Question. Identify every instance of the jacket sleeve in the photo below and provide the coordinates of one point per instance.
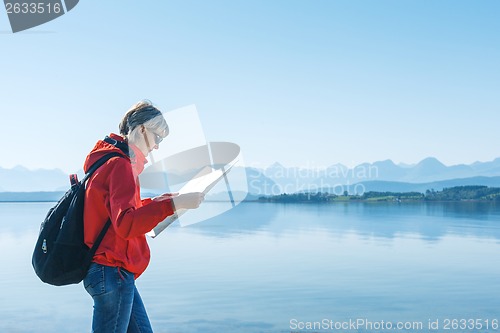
(129, 219)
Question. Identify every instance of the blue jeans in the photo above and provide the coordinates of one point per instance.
(118, 307)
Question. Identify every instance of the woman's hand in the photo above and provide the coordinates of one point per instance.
(183, 201)
(165, 196)
(188, 200)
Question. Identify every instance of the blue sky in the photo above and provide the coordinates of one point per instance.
(305, 83)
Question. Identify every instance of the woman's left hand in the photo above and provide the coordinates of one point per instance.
(165, 196)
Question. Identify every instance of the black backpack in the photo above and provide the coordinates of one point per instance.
(61, 256)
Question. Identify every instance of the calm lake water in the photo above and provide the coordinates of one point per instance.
(266, 267)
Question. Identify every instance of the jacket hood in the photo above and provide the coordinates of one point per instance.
(101, 148)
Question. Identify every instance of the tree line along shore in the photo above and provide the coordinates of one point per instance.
(457, 193)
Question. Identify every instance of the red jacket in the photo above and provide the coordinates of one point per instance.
(113, 191)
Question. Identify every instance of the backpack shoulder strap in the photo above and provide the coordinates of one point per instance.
(98, 164)
(123, 146)
(120, 145)
(98, 241)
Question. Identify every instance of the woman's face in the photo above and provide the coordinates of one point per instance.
(149, 140)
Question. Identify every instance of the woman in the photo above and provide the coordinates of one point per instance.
(113, 192)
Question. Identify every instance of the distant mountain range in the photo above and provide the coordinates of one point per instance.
(382, 175)
(429, 173)
(21, 179)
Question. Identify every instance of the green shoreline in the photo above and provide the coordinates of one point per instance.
(471, 193)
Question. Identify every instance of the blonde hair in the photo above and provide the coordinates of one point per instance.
(146, 114)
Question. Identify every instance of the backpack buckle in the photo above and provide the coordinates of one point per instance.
(73, 179)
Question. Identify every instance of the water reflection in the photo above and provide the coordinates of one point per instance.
(259, 265)
(428, 221)
(243, 219)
